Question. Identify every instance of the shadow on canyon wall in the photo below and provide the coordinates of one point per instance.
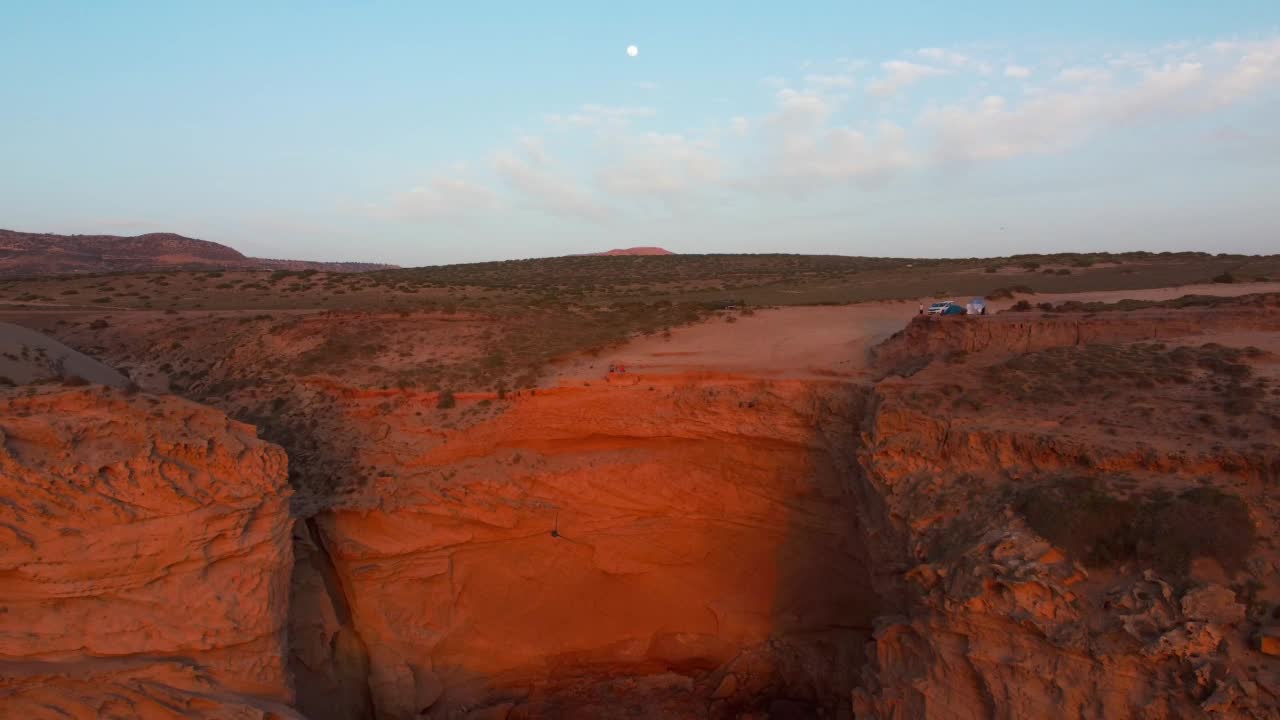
(709, 560)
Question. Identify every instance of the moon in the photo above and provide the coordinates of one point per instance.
(632, 50)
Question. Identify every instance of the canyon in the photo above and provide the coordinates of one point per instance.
(873, 516)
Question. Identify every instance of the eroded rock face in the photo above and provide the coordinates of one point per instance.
(997, 621)
(661, 549)
(1012, 333)
(144, 559)
(680, 546)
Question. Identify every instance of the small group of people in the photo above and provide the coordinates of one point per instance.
(617, 368)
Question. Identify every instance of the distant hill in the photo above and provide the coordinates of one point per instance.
(635, 251)
(28, 254)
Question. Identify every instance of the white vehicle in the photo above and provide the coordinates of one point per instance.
(940, 308)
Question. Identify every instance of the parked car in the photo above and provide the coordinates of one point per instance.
(945, 307)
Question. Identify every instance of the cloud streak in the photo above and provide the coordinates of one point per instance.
(529, 171)
(817, 135)
(901, 74)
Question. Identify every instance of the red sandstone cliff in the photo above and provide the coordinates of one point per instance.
(999, 621)
(692, 545)
(144, 557)
(703, 545)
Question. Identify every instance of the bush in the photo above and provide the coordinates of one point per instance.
(1160, 530)
(6, 381)
(73, 381)
(446, 400)
(98, 324)
(1002, 293)
(1021, 306)
(1225, 277)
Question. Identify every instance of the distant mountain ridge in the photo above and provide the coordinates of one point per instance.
(24, 253)
(649, 250)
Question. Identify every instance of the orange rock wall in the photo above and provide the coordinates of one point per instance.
(1012, 333)
(143, 542)
(597, 532)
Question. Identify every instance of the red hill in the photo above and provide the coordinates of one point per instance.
(636, 251)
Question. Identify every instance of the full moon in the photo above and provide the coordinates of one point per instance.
(632, 50)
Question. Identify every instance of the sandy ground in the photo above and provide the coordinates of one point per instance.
(26, 355)
(821, 341)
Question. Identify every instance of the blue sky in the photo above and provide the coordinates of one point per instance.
(423, 133)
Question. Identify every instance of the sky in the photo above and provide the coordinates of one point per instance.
(430, 133)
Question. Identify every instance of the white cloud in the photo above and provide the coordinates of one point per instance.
(531, 172)
(671, 167)
(592, 114)
(799, 111)
(829, 81)
(441, 197)
(957, 60)
(1259, 65)
(1085, 76)
(803, 150)
(647, 85)
(803, 162)
(811, 139)
(900, 74)
(1050, 122)
(611, 112)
